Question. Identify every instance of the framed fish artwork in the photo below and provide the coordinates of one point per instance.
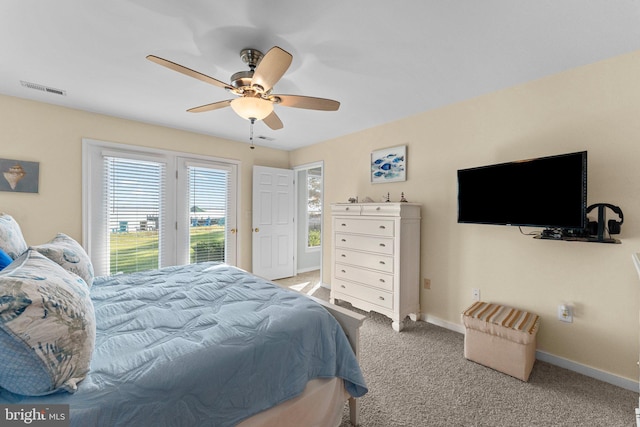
(19, 176)
(389, 165)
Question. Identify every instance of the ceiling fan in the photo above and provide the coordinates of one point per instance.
(253, 87)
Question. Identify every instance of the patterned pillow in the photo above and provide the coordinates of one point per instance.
(70, 255)
(11, 239)
(47, 327)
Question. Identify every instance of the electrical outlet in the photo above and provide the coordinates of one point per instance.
(565, 314)
(427, 283)
(475, 294)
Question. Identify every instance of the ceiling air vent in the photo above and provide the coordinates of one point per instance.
(265, 138)
(43, 88)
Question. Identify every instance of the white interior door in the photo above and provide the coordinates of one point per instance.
(273, 223)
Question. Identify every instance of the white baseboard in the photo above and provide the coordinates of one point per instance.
(456, 327)
(552, 359)
(587, 371)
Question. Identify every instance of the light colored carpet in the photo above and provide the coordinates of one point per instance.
(419, 377)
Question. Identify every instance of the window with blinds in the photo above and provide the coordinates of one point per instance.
(134, 191)
(208, 211)
(314, 207)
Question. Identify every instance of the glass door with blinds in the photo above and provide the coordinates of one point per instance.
(134, 201)
(207, 230)
(146, 208)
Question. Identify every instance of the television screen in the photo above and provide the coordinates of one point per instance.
(546, 192)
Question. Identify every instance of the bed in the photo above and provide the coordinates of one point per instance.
(208, 345)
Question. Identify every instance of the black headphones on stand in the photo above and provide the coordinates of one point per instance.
(597, 228)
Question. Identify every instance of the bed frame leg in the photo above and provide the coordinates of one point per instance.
(354, 411)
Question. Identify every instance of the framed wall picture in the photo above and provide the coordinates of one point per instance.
(19, 176)
(389, 165)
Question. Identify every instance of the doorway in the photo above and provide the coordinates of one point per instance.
(309, 213)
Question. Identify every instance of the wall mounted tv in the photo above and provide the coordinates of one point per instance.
(548, 192)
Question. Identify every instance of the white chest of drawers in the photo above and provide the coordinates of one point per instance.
(376, 258)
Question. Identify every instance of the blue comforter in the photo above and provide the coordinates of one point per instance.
(204, 344)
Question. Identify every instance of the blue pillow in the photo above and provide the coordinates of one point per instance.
(4, 259)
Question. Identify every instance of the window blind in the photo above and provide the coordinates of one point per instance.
(314, 208)
(134, 191)
(208, 213)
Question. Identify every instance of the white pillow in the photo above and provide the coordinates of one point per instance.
(69, 254)
(11, 239)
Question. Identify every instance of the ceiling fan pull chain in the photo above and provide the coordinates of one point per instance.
(251, 133)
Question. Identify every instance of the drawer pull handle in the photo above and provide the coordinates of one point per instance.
(346, 209)
(344, 225)
(378, 208)
(343, 286)
(383, 245)
(344, 240)
(343, 255)
(382, 227)
(381, 298)
(382, 262)
(344, 271)
(382, 280)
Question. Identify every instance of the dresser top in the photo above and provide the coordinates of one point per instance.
(375, 204)
(402, 209)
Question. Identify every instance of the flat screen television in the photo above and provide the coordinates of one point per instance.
(548, 192)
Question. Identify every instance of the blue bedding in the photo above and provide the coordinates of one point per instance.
(201, 345)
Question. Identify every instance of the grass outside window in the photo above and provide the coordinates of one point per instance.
(139, 250)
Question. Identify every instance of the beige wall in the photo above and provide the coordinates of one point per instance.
(594, 108)
(53, 135)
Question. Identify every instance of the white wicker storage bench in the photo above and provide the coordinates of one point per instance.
(500, 337)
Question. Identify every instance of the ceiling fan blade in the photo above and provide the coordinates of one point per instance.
(210, 107)
(187, 71)
(273, 121)
(308, 102)
(271, 68)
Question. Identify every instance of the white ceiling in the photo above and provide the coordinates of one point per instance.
(383, 60)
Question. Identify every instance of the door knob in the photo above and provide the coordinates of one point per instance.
(256, 229)
(233, 231)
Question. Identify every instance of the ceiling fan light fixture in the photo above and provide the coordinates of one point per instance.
(252, 108)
